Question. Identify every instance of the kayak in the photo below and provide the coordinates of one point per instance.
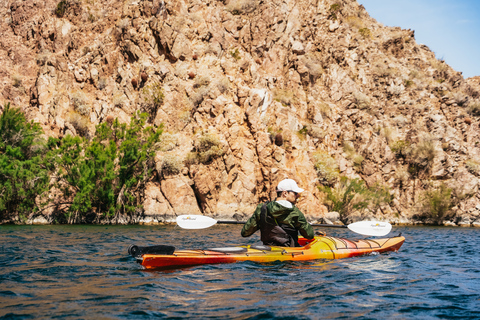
(321, 247)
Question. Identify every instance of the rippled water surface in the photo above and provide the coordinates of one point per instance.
(84, 272)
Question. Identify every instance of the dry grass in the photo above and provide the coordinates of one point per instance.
(80, 103)
(285, 97)
(171, 164)
(237, 7)
(326, 167)
(361, 100)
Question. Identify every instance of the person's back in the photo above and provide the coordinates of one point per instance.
(280, 221)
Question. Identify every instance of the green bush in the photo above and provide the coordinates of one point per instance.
(235, 54)
(103, 175)
(333, 10)
(401, 148)
(350, 195)
(61, 8)
(23, 172)
(365, 33)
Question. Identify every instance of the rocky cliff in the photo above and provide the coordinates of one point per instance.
(310, 90)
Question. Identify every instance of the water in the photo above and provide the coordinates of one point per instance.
(84, 272)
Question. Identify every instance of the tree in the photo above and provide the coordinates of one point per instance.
(23, 173)
(106, 175)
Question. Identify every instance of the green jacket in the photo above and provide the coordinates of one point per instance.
(292, 217)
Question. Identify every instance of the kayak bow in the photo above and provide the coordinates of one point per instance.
(321, 247)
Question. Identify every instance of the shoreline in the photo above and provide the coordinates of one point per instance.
(154, 222)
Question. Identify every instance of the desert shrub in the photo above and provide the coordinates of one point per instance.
(395, 90)
(381, 69)
(422, 154)
(313, 63)
(401, 148)
(352, 155)
(61, 8)
(361, 100)
(119, 99)
(207, 147)
(436, 203)
(153, 98)
(460, 98)
(80, 123)
(285, 97)
(325, 110)
(326, 167)
(474, 108)
(235, 54)
(202, 81)
(102, 83)
(191, 159)
(237, 7)
(223, 84)
(333, 11)
(416, 74)
(80, 103)
(17, 81)
(199, 95)
(354, 22)
(439, 65)
(302, 133)
(171, 164)
(365, 33)
(24, 173)
(401, 176)
(473, 166)
(168, 141)
(350, 195)
(315, 131)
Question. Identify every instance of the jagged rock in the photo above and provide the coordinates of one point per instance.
(277, 82)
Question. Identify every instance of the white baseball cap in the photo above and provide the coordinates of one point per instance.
(289, 185)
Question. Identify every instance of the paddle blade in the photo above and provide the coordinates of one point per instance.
(371, 228)
(191, 221)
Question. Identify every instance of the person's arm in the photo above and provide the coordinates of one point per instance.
(304, 227)
(251, 226)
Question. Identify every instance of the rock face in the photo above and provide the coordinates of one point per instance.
(275, 82)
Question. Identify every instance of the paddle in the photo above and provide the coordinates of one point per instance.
(366, 228)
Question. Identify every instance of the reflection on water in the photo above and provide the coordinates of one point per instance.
(79, 272)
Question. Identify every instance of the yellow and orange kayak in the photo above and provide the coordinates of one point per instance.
(321, 247)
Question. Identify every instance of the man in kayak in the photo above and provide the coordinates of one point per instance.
(280, 221)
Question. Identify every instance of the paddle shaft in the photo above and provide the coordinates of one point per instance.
(313, 225)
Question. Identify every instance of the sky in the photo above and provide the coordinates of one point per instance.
(450, 28)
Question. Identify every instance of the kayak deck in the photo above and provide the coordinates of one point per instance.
(321, 247)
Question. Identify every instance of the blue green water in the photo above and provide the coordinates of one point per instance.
(84, 272)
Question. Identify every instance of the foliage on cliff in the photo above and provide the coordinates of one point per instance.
(101, 175)
(23, 174)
